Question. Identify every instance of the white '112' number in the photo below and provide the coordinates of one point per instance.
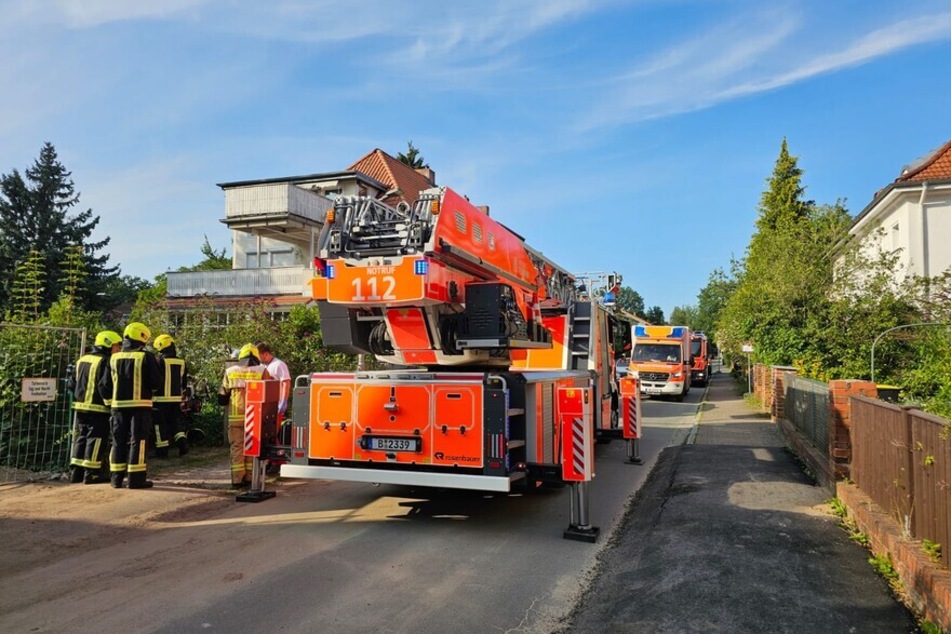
(388, 280)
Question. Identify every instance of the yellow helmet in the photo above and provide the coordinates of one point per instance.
(163, 341)
(249, 350)
(138, 332)
(108, 338)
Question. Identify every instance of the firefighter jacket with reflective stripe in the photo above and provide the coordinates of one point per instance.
(135, 376)
(89, 371)
(174, 378)
(236, 380)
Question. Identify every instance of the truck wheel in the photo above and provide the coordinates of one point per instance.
(680, 397)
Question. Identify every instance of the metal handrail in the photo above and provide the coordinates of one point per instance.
(927, 323)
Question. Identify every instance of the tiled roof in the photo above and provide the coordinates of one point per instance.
(936, 167)
(380, 166)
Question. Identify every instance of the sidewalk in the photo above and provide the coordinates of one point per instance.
(729, 535)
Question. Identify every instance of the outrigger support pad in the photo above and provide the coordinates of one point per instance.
(578, 527)
(634, 451)
(256, 493)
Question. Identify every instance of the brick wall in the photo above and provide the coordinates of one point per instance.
(840, 415)
(778, 391)
(761, 384)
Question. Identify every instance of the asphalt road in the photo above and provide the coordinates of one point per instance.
(338, 557)
(391, 559)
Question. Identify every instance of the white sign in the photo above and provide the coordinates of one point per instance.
(747, 347)
(38, 390)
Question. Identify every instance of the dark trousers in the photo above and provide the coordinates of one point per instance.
(130, 434)
(166, 419)
(90, 440)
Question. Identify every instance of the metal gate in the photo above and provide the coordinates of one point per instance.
(807, 406)
(35, 417)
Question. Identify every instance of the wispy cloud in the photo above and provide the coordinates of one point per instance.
(881, 42)
(743, 58)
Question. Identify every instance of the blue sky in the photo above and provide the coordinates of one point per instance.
(634, 136)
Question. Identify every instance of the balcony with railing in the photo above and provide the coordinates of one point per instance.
(290, 280)
(283, 211)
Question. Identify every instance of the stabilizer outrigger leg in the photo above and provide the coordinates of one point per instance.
(256, 493)
(579, 529)
(634, 451)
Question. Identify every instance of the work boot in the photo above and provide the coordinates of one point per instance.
(116, 479)
(138, 481)
(76, 474)
(94, 478)
(182, 446)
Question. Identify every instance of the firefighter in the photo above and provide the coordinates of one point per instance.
(91, 428)
(134, 377)
(167, 402)
(232, 394)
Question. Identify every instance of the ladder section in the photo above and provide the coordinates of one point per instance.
(580, 339)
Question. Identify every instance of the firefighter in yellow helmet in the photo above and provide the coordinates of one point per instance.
(91, 426)
(134, 377)
(232, 394)
(167, 402)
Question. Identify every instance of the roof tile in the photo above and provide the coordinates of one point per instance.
(380, 166)
(936, 167)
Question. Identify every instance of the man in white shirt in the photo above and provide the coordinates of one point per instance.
(278, 370)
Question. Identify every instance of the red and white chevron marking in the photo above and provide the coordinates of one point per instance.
(248, 428)
(577, 445)
(632, 417)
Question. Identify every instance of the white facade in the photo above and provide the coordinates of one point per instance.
(915, 223)
(275, 225)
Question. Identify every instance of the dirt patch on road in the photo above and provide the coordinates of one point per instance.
(42, 521)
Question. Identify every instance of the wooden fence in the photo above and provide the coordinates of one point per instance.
(901, 458)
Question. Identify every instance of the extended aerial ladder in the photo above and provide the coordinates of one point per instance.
(502, 371)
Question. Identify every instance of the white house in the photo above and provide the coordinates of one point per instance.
(914, 215)
(275, 223)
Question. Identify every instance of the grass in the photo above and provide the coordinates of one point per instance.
(933, 550)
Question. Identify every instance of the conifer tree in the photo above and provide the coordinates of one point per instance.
(36, 214)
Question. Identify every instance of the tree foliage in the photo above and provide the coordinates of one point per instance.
(37, 214)
(684, 316)
(412, 157)
(655, 316)
(630, 300)
(804, 296)
(780, 302)
(711, 300)
(213, 260)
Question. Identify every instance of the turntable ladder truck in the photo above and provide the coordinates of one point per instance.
(502, 374)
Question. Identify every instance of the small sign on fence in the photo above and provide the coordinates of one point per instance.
(38, 390)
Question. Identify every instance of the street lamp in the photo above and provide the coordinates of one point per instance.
(927, 323)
